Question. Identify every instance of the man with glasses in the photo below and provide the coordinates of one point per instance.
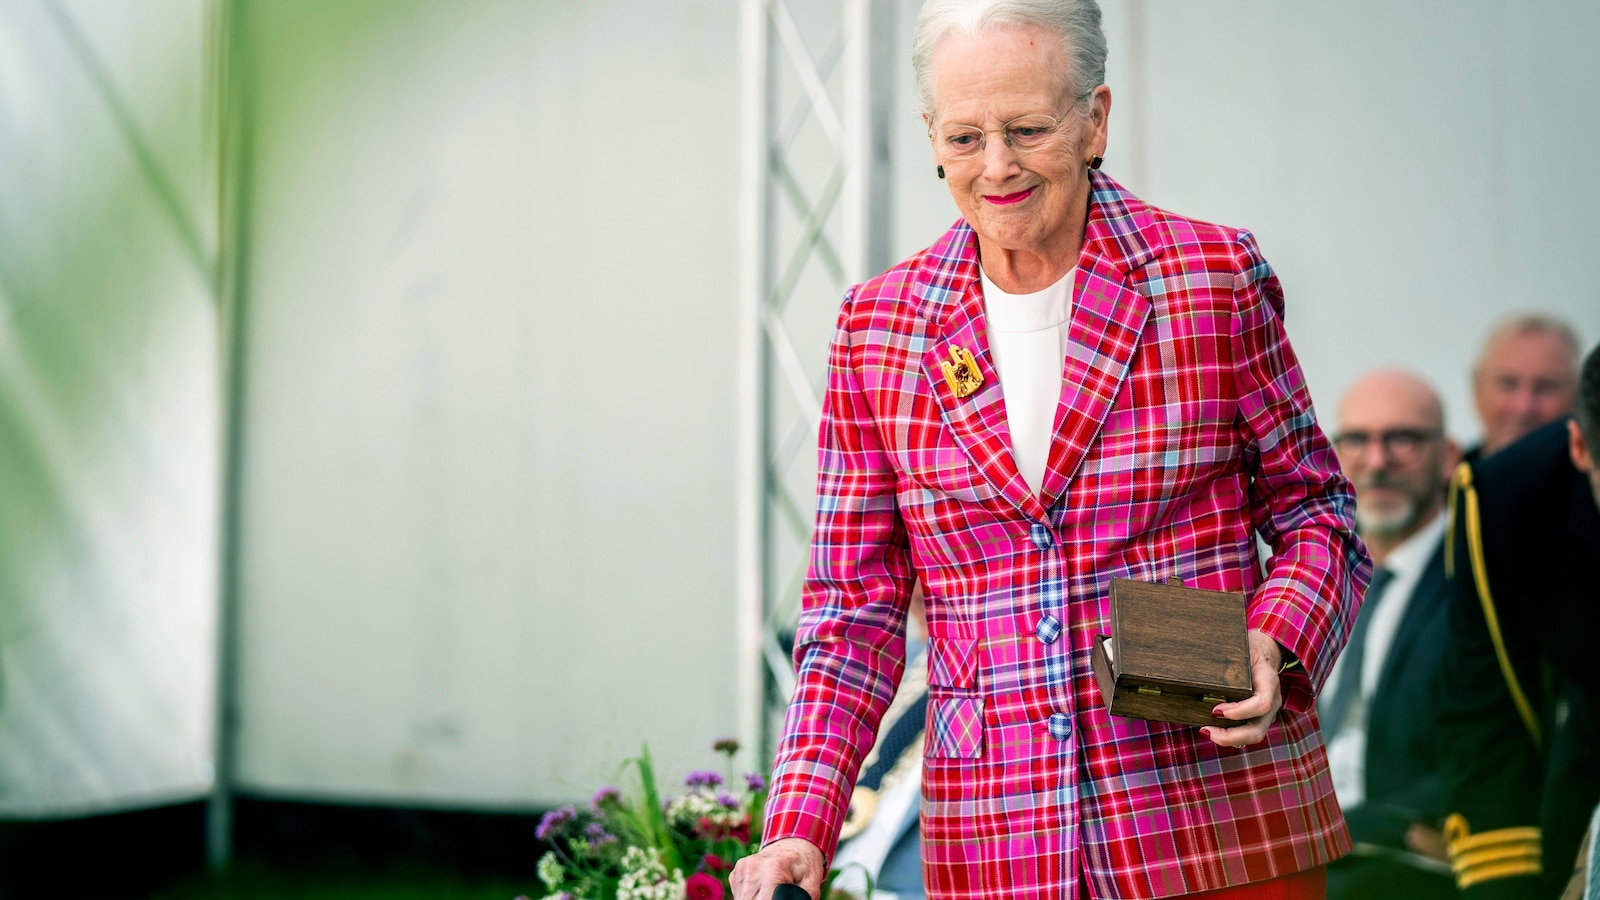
(1377, 710)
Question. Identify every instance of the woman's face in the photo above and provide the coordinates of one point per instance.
(1031, 202)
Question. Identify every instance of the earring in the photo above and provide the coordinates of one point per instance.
(1095, 161)
(940, 170)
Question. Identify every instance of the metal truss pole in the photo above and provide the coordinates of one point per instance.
(814, 218)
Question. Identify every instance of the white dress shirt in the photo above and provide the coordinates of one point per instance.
(1347, 748)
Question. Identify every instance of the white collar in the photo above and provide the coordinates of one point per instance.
(1409, 559)
(1025, 313)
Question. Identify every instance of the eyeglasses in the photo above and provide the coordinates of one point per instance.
(1023, 134)
(1399, 444)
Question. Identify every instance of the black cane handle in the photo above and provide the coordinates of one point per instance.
(790, 892)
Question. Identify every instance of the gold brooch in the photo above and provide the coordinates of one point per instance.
(961, 373)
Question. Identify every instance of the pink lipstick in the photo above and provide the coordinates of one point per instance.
(1008, 199)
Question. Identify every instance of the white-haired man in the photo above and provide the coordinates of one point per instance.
(1527, 376)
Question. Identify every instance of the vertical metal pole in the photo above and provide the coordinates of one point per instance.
(869, 76)
(769, 360)
(234, 116)
(751, 469)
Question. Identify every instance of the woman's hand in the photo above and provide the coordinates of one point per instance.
(786, 861)
(1257, 711)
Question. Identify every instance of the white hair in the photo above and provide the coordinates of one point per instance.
(1076, 21)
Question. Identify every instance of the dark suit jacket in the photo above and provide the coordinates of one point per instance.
(1541, 545)
(1402, 759)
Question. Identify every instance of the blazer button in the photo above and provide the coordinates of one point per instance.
(1048, 629)
(1040, 534)
(1060, 726)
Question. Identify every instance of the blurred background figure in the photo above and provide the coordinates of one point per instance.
(1526, 377)
(1519, 748)
(1377, 709)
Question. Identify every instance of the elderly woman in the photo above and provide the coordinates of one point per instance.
(1069, 386)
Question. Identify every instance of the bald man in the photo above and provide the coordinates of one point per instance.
(1526, 377)
(1377, 709)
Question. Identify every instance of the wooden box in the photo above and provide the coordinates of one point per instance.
(1173, 654)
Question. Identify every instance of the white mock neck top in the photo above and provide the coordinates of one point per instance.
(1027, 335)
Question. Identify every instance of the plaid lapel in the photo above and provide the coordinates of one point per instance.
(950, 296)
(1108, 315)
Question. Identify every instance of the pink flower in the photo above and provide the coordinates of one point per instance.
(716, 863)
(702, 886)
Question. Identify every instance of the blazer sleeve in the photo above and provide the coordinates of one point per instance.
(850, 649)
(1301, 503)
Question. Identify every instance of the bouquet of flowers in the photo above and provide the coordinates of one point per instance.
(647, 847)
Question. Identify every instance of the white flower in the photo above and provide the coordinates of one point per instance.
(645, 878)
(550, 870)
(694, 806)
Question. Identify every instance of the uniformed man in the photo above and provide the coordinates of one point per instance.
(1522, 686)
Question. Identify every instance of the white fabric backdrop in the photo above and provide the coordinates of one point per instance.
(108, 409)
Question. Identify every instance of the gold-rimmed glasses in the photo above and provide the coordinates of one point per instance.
(1024, 134)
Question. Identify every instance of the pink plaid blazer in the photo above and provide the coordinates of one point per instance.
(1184, 429)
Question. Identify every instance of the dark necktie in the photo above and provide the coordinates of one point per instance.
(1348, 689)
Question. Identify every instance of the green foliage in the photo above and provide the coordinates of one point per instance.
(644, 844)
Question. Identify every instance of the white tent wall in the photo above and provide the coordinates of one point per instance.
(108, 407)
(487, 507)
(1414, 171)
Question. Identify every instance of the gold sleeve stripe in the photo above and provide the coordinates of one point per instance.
(1462, 482)
(1480, 875)
(1496, 854)
(1502, 853)
(1460, 837)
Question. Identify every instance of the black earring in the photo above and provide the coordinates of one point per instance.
(1095, 161)
(940, 170)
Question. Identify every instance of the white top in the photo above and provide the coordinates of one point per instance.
(1347, 749)
(1028, 337)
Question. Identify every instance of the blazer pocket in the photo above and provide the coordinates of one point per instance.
(955, 725)
(953, 662)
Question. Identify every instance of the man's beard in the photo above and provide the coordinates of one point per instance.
(1389, 523)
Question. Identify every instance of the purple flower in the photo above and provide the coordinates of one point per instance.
(597, 835)
(553, 820)
(754, 782)
(607, 794)
(729, 746)
(703, 779)
(728, 801)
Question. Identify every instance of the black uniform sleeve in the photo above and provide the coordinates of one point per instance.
(1490, 752)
